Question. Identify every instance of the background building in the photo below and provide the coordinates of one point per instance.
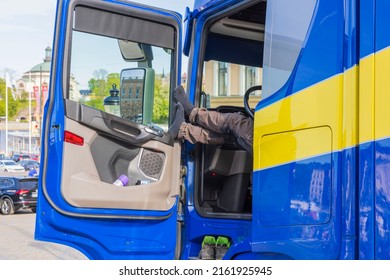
(226, 83)
(35, 83)
(24, 133)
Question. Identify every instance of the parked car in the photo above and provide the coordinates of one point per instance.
(34, 157)
(10, 166)
(4, 156)
(17, 157)
(28, 164)
(18, 193)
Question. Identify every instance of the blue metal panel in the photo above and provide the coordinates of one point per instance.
(349, 194)
(382, 199)
(108, 238)
(381, 155)
(382, 23)
(299, 215)
(366, 201)
(366, 27)
(189, 22)
(351, 34)
(303, 192)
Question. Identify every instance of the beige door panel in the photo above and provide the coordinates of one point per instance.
(82, 186)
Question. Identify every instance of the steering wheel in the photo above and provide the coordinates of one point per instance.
(246, 100)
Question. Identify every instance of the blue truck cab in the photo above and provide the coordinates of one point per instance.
(312, 74)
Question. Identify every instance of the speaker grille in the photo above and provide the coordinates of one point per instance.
(151, 163)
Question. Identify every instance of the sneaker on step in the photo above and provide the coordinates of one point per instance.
(221, 247)
(208, 245)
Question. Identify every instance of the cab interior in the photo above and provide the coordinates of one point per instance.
(225, 190)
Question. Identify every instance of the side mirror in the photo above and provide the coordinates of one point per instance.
(137, 94)
(132, 51)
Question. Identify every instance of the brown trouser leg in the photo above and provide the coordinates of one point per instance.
(197, 134)
(216, 126)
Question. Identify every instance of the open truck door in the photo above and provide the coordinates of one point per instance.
(114, 66)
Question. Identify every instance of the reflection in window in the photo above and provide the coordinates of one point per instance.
(250, 77)
(285, 32)
(230, 81)
(222, 79)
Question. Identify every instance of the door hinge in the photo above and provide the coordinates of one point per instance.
(182, 197)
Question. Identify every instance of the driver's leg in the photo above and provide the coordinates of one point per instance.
(193, 133)
(237, 124)
(197, 134)
(240, 126)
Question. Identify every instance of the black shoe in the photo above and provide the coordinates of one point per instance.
(178, 119)
(182, 97)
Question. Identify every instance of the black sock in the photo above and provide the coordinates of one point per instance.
(182, 97)
(178, 119)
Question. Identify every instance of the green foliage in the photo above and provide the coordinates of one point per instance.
(13, 105)
(112, 79)
(161, 102)
(24, 97)
(2, 88)
(100, 87)
(93, 84)
(95, 102)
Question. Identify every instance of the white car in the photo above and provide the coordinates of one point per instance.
(10, 166)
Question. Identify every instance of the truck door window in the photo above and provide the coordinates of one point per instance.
(111, 71)
(282, 45)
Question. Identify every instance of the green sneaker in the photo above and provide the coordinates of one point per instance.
(208, 246)
(221, 247)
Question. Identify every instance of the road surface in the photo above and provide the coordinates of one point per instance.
(17, 241)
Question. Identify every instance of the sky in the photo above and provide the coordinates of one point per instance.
(27, 26)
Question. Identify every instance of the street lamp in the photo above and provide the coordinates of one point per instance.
(111, 103)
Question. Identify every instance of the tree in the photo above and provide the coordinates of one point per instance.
(100, 87)
(161, 102)
(100, 82)
(93, 85)
(24, 96)
(12, 104)
(2, 88)
(100, 74)
(112, 79)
